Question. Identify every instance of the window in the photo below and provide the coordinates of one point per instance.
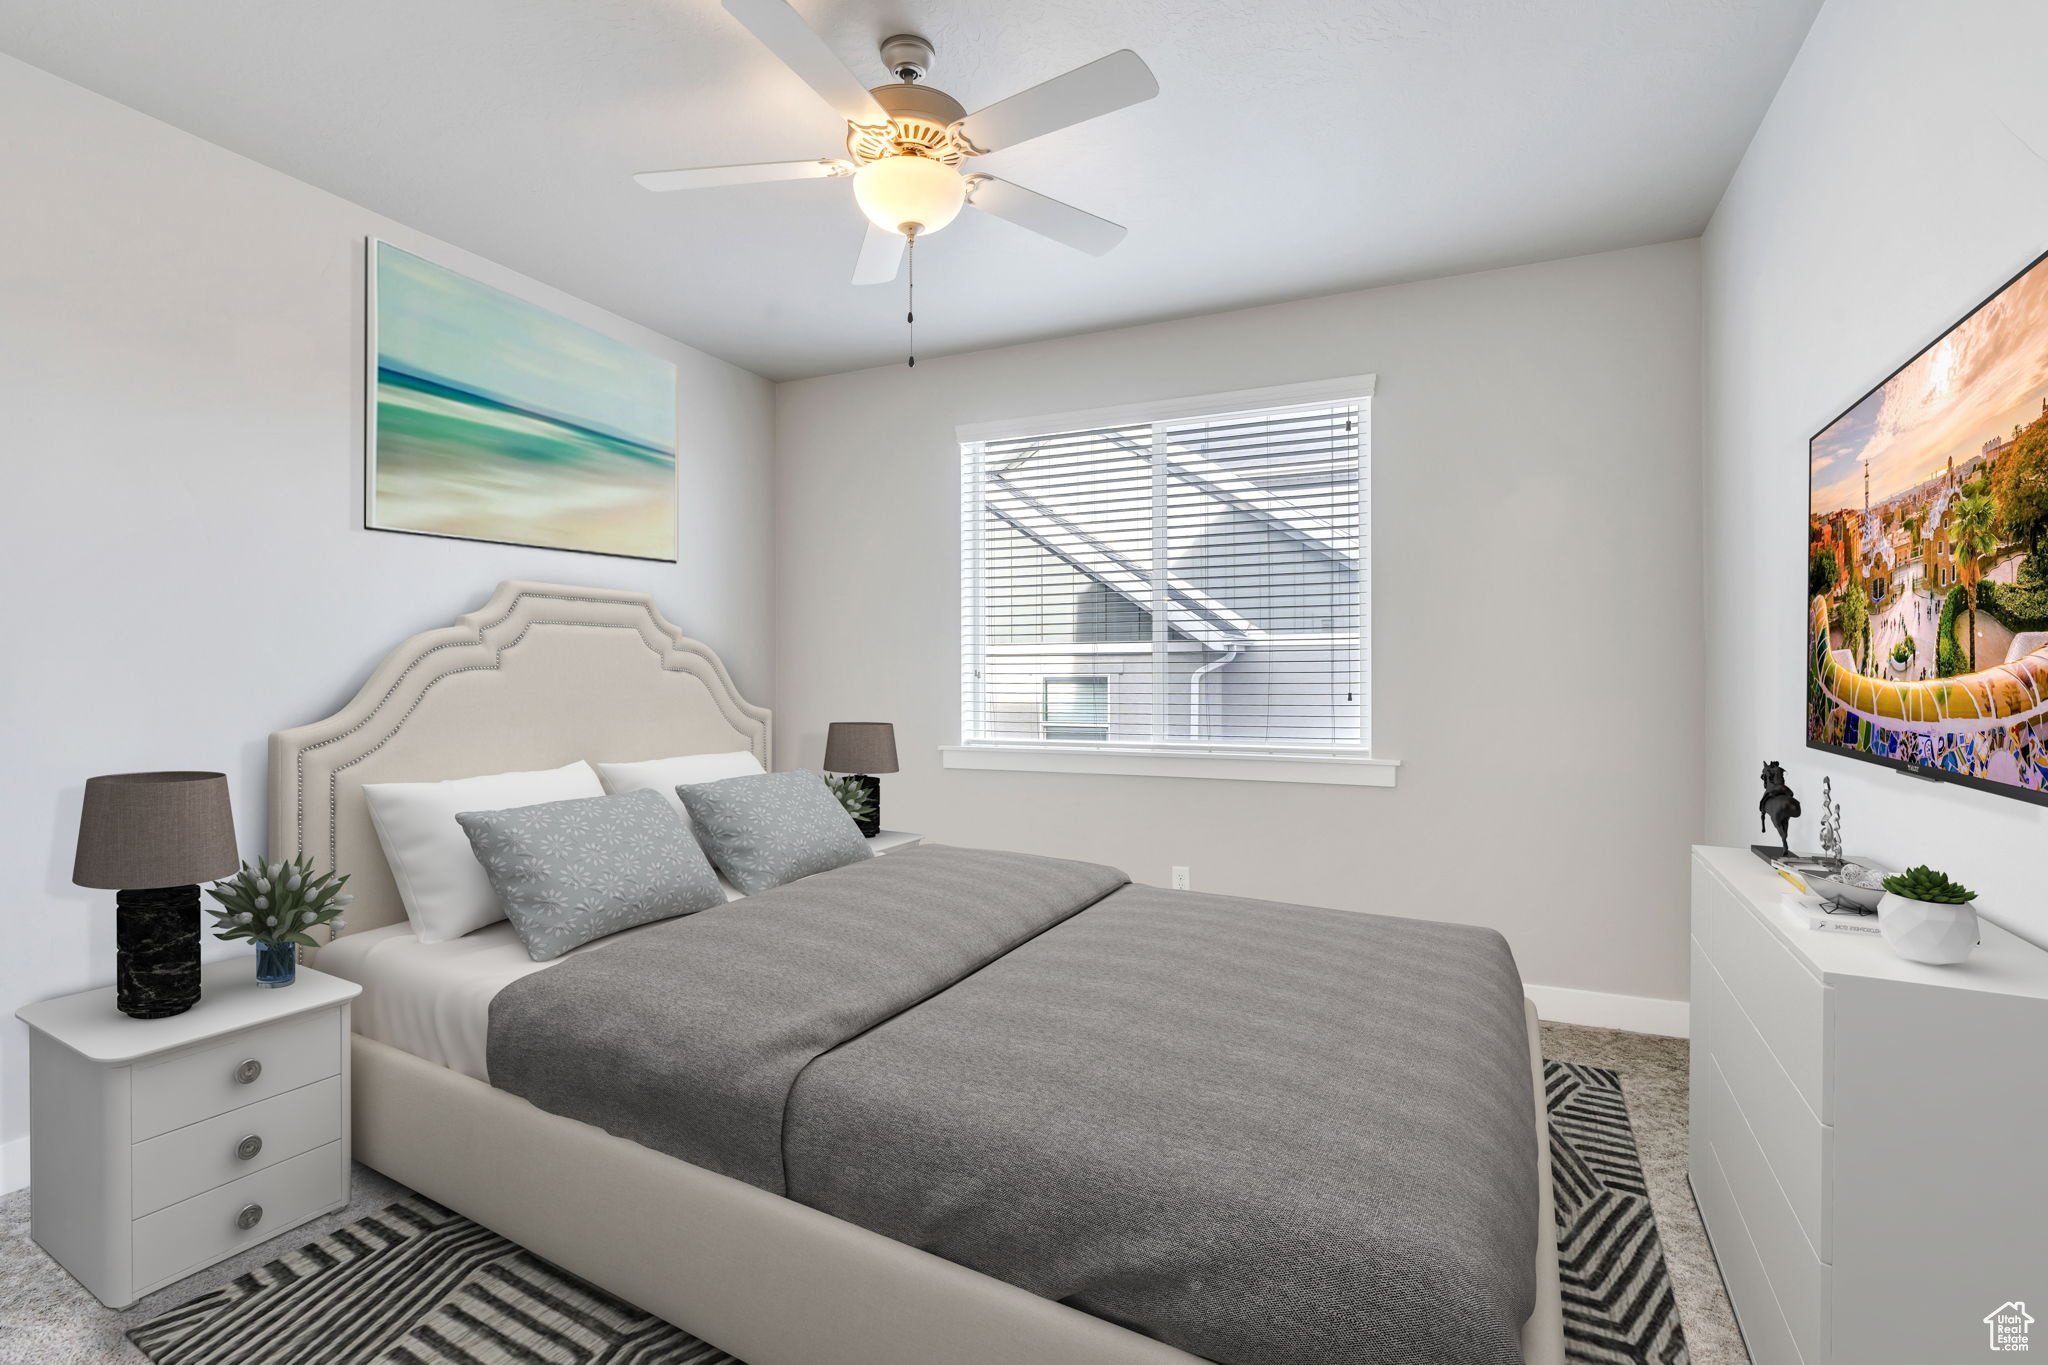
(1188, 578)
(1075, 708)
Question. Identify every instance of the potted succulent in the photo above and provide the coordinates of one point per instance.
(1925, 917)
(277, 906)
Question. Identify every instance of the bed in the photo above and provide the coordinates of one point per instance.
(737, 1246)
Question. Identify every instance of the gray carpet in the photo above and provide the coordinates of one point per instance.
(49, 1319)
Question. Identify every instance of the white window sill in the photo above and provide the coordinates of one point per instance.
(1322, 769)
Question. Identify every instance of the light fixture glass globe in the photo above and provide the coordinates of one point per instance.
(909, 190)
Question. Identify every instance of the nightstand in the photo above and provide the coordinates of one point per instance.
(886, 841)
(159, 1146)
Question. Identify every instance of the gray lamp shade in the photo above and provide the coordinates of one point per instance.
(860, 746)
(143, 830)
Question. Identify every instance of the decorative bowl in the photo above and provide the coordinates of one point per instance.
(1858, 884)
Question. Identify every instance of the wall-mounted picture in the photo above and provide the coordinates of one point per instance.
(492, 418)
(1927, 566)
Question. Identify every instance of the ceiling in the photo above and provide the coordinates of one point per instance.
(1297, 147)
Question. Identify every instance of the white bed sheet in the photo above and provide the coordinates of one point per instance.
(430, 999)
(434, 999)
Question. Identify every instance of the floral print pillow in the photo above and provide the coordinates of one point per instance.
(571, 871)
(772, 828)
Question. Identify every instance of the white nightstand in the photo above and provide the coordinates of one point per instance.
(887, 841)
(159, 1146)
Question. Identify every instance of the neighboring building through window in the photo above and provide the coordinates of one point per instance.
(1188, 577)
(1075, 708)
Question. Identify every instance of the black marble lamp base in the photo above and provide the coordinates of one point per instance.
(157, 937)
(870, 824)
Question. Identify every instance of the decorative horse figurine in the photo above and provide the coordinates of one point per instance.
(1779, 805)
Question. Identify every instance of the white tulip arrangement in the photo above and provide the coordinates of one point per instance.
(281, 902)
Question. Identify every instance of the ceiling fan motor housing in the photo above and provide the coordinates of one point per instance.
(907, 56)
(920, 124)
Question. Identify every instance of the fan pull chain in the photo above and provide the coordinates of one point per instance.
(910, 307)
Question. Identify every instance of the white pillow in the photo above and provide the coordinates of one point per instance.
(664, 775)
(445, 890)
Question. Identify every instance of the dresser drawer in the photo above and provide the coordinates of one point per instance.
(1764, 1332)
(1799, 1281)
(203, 1229)
(1783, 1000)
(201, 1155)
(198, 1085)
(1795, 1143)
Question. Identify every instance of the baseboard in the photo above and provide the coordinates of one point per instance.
(14, 1161)
(1635, 1013)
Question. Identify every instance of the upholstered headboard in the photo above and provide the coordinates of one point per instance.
(540, 676)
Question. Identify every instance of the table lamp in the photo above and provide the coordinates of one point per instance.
(151, 838)
(860, 749)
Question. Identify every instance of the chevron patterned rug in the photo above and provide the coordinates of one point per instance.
(1618, 1303)
(418, 1285)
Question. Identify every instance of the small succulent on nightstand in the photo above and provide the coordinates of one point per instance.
(277, 906)
(853, 795)
(1923, 883)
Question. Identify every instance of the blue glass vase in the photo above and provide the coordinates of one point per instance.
(277, 964)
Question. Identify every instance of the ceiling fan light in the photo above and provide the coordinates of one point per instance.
(901, 191)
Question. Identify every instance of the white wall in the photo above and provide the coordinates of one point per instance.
(181, 397)
(1901, 175)
(1536, 581)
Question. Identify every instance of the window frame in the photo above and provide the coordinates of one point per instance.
(1336, 765)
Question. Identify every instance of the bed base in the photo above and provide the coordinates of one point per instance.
(772, 1281)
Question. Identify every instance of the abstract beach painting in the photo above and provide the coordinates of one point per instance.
(492, 418)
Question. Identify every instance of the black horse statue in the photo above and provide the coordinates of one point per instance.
(1779, 806)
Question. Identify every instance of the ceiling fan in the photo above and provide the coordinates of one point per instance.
(905, 142)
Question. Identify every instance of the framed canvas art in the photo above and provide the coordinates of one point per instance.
(492, 418)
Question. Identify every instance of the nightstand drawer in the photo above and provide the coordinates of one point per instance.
(213, 1151)
(207, 1227)
(251, 1065)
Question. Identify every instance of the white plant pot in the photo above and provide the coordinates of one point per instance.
(1921, 931)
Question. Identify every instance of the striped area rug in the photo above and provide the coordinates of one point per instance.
(414, 1285)
(418, 1285)
(1619, 1308)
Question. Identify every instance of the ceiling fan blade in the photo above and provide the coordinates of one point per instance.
(785, 34)
(1086, 92)
(1063, 223)
(881, 256)
(710, 177)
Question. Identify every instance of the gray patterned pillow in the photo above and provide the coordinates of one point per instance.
(571, 871)
(771, 828)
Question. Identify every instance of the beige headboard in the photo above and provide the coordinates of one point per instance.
(540, 676)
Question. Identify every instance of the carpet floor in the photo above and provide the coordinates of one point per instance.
(46, 1317)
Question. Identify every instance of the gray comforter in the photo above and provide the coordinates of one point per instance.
(1267, 1134)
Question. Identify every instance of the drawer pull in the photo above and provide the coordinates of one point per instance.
(248, 1071)
(249, 1217)
(248, 1147)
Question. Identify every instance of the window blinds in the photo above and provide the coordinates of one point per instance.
(1185, 584)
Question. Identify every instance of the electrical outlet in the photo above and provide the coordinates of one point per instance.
(1180, 879)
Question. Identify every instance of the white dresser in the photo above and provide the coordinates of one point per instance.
(1869, 1135)
(159, 1146)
